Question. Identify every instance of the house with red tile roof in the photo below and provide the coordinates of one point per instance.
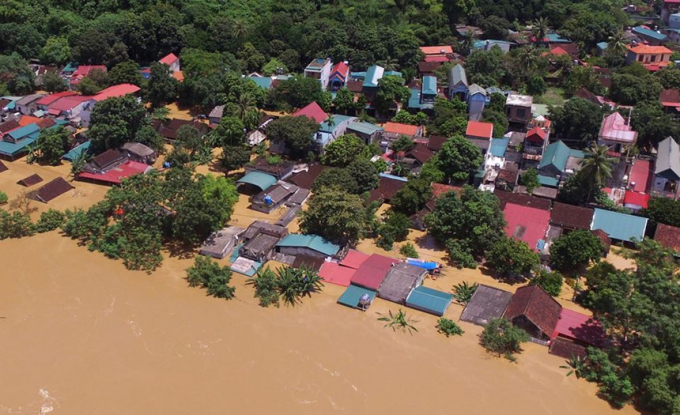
(436, 50)
(635, 200)
(527, 224)
(373, 271)
(479, 130)
(651, 57)
(172, 61)
(668, 236)
(395, 129)
(670, 101)
(641, 175)
(83, 71)
(44, 102)
(535, 311)
(312, 111)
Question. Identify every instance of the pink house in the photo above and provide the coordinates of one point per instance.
(616, 132)
(172, 61)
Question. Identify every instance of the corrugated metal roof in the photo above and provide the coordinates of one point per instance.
(547, 181)
(429, 300)
(556, 154)
(619, 225)
(499, 146)
(76, 151)
(373, 75)
(353, 294)
(457, 75)
(668, 159)
(256, 178)
(337, 120)
(429, 85)
(647, 32)
(314, 242)
(262, 82)
(364, 127)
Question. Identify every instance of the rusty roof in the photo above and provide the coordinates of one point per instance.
(537, 306)
(522, 200)
(668, 236)
(570, 216)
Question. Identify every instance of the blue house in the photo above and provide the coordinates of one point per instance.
(652, 37)
(458, 83)
(477, 100)
(423, 98)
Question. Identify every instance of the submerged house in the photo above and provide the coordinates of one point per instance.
(273, 197)
(306, 245)
(260, 241)
(486, 304)
(219, 243)
(400, 280)
(535, 311)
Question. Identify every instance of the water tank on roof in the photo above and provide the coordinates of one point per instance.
(268, 200)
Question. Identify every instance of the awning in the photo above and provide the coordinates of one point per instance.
(258, 179)
(353, 294)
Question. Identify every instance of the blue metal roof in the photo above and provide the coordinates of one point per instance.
(353, 294)
(337, 120)
(499, 146)
(646, 32)
(389, 176)
(259, 179)
(12, 149)
(77, 151)
(373, 75)
(603, 45)
(25, 131)
(429, 300)
(555, 38)
(547, 181)
(314, 242)
(264, 83)
(619, 225)
(415, 102)
(429, 85)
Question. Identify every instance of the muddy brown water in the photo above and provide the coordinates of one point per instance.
(81, 335)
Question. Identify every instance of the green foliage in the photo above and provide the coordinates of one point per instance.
(149, 137)
(468, 225)
(510, 257)
(381, 165)
(297, 92)
(409, 251)
(669, 78)
(295, 283)
(52, 143)
(343, 150)
(3, 198)
(234, 157)
(49, 221)
(413, 197)
(502, 338)
(229, 132)
(462, 292)
(399, 321)
(52, 82)
(575, 190)
(15, 225)
(457, 158)
(162, 87)
(631, 89)
(15, 75)
(403, 143)
(94, 82)
(652, 124)
(56, 51)
(577, 120)
(337, 178)
(273, 66)
(551, 282)
(266, 287)
(663, 210)
(114, 122)
(335, 214)
(575, 250)
(582, 77)
(450, 117)
(498, 119)
(344, 101)
(208, 274)
(485, 67)
(296, 132)
(404, 117)
(614, 385)
(125, 73)
(391, 90)
(449, 327)
(395, 229)
(529, 179)
(365, 174)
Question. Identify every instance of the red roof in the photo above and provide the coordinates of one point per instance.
(49, 99)
(636, 199)
(646, 49)
(398, 128)
(66, 104)
(558, 51)
(335, 273)
(114, 176)
(341, 69)
(436, 50)
(641, 175)
(354, 259)
(27, 119)
(668, 236)
(169, 59)
(439, 189)
(537, 306)
(479, 129)
(373, 271)
(670, 97)
(526, 223)
(116, 91)
(178, 75)
(577, 326)
(312, 111)
(536, 135)
(438, 59)
(83, 70)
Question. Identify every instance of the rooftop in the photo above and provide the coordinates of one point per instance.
(668, 159)
(668, 236)
(258, 179)
(636, 200)
(570, 216)
(364, 127)
(429, 85)
(401, 278)
(429, 300)
(436, 50)
(537, 306)
(641, 49)
(615, 128)
(526, 224)
(619, 226)
(649, 33)
(336, 274)
(373, 75)
(373, 271)
(498, 146)
(640, 179)
(574, 325)
(117, 174)
(116, 91)
(479, 129)
(398, 128)
(312, 111)
(487, 303)
(518, 100)
(457, 75)
(338, 119)
(314, 242)
(169, 59)
(317, 65)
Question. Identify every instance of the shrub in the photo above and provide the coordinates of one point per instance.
(463, 292)
(265, 287)
(409, 251)
(550, 281)
(49, 221)
(208, 274)
(3, 198)
(295, 283)
(15, 225)
(449, 327)
(501, 337)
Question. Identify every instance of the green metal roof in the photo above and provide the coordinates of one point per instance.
(25, 131)
(499, 146)
(353, 294)
(364, 127)
(547, 181)
(555, 154)
(619, 225)
(12, 149)
(264, 83)
(70, 67)
(314, 242)
(77, 151)
(429, 85)
(337, 120)
(259, 179)
(429, 300)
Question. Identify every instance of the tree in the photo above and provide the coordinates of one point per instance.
(449, 327)
(541, 27)
(16, 75)
(344, 101)
(510, 257)
(229, 132)
(343, 150)
(498, 119)
(234, 157)
(596, 168)
(485, 67)
(295, 283)
(15, 225)
(652, 124)
(296, 132)
(208, 274)
(616, 43)
(450, 117)
(334, 214)
(408, 250)
(114, 122)
(53, 143)
(663, 210)
(529, 179)
(53, 82)
(88, 86)
(582, 77)
(403, 143)
(463, 292)
(149, 137)
(391, 90)
(297, 92)
(125, 73)
(395, 229)
(162, 87)
(468, 225)
(399, 320)
(56, 51)
(413, 197)
(578, 120)
(49, 221)
(266, 288)
(336, 177)
(631, 89)
(273, 66)
(365, 174)
(574, 251)
(501, 337)
(458, 157)
(3, 198)
(550, 281)
(189, 147)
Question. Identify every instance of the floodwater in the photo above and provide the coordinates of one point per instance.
(81, 335)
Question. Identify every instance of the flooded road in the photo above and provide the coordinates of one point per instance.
(81, 335)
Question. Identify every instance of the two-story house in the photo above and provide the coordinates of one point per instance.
(339, 76)
(616, 132)
(651, 57)
(518, 108)
(458, 83)
(423, 97)
(319, 69)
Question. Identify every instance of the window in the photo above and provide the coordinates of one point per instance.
(639, 58)
(521, 113)
(652, 58)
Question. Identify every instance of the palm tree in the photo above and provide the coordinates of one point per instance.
(400, 169)
(541, 28)
(390, 64)
(616, 44)
(596, 166)
(399, 321)
(528, 59)
(330, 120)
(244, 109)
(240, 29)
(463, 292)
(468, 42)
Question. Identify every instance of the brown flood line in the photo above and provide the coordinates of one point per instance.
(81, 335)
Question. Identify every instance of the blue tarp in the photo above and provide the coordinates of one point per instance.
(428, 265)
